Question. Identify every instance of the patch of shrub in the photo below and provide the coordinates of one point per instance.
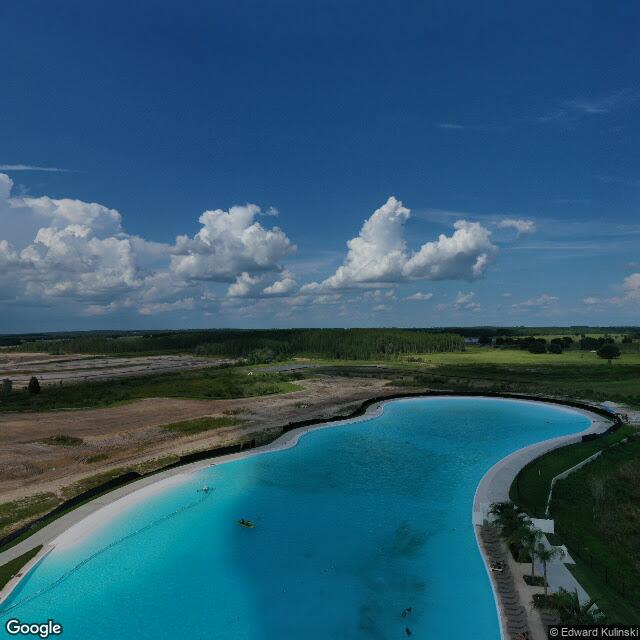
(98, 457)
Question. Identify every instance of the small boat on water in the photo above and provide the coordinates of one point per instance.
(204, 489)
(246, 523)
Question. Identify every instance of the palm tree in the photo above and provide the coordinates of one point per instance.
(571, 610)
(508, 518)
(529, 541)
(516, 539)
(545, 555)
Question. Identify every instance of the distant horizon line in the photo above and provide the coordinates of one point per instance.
(574, 327)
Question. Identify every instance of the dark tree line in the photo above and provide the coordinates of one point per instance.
(275, 344)
(342, 344)
(265, 345)
(536, 345)
(588, 343)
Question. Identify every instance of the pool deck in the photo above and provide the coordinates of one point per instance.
(494, 487)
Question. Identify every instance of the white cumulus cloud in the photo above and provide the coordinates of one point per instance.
(229, 242)
(630, 293)
(245, 285)
(79, 252)
(631, 287)
(281, 287)
(379, 253)
(63, 248)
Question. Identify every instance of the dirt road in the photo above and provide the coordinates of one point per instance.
(69, 369)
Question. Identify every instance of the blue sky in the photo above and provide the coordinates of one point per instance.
(497, 142)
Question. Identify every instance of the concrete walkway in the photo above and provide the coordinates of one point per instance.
(526, 593)
(558, 575)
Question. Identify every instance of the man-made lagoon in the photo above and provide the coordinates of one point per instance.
(353, 526)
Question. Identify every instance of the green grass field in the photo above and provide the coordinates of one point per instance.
(26, 509)
(618, 609)
(573, 374)
(531, 487)
(189, 427)
(486, 355)
(597, 514)
(202, 384)
(7, 571)
(473, 355)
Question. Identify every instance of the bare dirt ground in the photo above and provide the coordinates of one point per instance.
(132, 434)
(68, 369)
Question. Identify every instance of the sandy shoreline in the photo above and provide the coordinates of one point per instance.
(82, 522)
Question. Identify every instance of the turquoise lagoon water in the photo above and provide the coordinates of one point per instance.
(353, 525)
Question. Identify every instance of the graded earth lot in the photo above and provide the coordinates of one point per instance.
(43, 452)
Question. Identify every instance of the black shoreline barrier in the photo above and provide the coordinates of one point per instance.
(207, 454)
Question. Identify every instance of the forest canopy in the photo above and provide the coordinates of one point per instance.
(261, 345)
